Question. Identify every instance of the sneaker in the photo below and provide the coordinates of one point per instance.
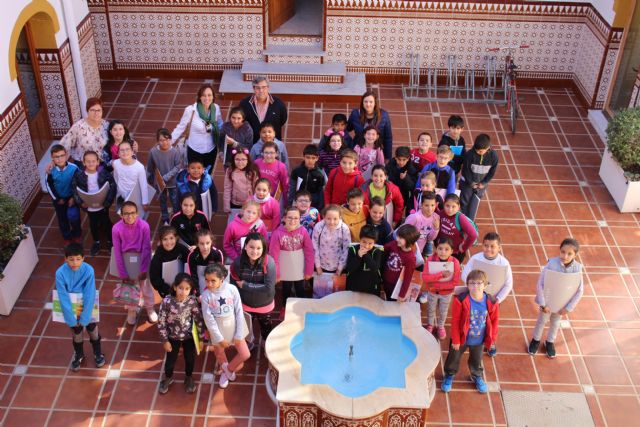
(429, 328)
(152, 315)
(492, 351)
(163, 388)
(109, 245)
(100, 360)
(423, 298)
(76, 362)
(95, 248)
(230, 375)
(533, 347)
(447, 383)
(132, 316)
(224, 381)
(251, 345)
(189, 384)
(442, 333)
(481, 386)
(551, 349)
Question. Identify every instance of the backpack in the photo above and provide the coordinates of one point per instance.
(459, 227)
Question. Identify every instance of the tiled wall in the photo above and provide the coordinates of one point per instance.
(53, 85)
(89, 57)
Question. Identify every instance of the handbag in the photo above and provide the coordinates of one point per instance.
(127, 294)
(181, 142)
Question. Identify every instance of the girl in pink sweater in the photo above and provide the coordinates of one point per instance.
(426, 221)
(247, 221)
(456, 226)
(292, 250)
(269, 206)
(369, 152)
(239, 180)
(273, 169)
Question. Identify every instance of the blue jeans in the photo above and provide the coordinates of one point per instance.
(69, 229)
(172, 194)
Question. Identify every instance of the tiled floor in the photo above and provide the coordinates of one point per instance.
(546, 188)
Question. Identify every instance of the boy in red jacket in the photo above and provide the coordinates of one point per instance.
(343, 179)
(474, 322)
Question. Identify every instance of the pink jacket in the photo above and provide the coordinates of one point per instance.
(283, 240)
(368, 157)
(424, 225)
(237, 189)
(270, 213)
(131, 238)
(236, 231)
(276, 173)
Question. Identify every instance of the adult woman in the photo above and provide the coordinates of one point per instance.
(370, 114)
(203, 119)
(88, 134)
(239, 133)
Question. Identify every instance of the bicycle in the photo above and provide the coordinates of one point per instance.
(509, 80)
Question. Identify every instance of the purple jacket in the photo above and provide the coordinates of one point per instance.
(132, 238)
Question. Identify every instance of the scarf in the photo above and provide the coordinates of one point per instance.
(262, 201)
(215, 132)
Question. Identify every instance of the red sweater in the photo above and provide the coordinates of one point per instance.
(460, 319)
(395, 260)
(339, 184)
(392, 195)
(448, 229)
(431, 281)
(421, 160)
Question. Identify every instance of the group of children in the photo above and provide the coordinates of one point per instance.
(381, 221)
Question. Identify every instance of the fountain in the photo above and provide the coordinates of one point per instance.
(351, 359)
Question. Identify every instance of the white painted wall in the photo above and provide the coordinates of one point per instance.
(604, 7)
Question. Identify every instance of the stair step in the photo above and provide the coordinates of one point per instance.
(294, 50)
(301, 73)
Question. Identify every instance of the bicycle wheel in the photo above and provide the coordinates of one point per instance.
(514, 109)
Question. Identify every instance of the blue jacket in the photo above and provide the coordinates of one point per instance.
(185, 185)
(59, 181)
(384, 127)
(81, 281)
(445, 177)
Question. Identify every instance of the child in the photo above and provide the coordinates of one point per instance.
(422, 156)
(379, 186)
(355, 213)
(132, 234)
(455, 225)
(236, 134)
(224, 317)
(268, 134)
(202, 256)
(196, 179)
(369, 151)
(247, 221)
(377, 220)
(273, 170)
(292, 250)
(478, 168)
(91, 180)
(188, 221)
(76, 276)
(254, 274)
(331, 153)
(427, 221)
(168, 250)
(402, 172)
(445, 175)
(269, 206)
(453, 139)
(338, 126)
(309, 215)
(331, 240)
(565, 263)
(400, 262)
(363, 263)
(117, 132)
(428, 184)
(491, 255)
(342, 179)
(439, 286)
(308, 176)
(178, 312)
(167, 160)
(129, 172)
(59, 186)
(239, 180)
(474, 322)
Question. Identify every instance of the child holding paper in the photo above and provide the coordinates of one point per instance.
(247, 221)
(76, 276)
(269, 206)
(179, 313)
(491, 256)
(129, 172)
(224, 317)
(167, 251)
(274, 170)
(166, 161)
(400, 262)
(197, 180)
(202, 256)
(564, 263)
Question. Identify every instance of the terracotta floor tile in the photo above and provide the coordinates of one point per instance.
(142, 390)
(469, 407)
(229, 422)
(35, 392)
(115, 420)
(263, 405)
(545, 210)
(595, 342)
(68, 418)
(587, 309)
(142, 356)
(44, 356)
(605, 370)
(619, 309)
(176, 401)
(620, 410)
(170, 421)
(231, 401)
(516, 368)
(23, 417)
(439, 411)
(558, 370)
(79, 394)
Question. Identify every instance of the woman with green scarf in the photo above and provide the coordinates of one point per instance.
(201, 124)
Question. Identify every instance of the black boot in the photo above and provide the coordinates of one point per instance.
(78, 356)
(97, 352)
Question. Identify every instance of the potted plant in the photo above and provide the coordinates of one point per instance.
(620, 167)
(18, 256)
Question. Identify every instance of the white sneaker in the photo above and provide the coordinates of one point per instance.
(231, 376)
(152, 315)
(132, 316)
(224, 381)
(424, 297)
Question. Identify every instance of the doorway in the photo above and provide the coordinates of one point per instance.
(28, 72)
(296, 17)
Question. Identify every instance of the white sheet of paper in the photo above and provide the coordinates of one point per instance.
(298, 183)
(76, 302)
(437, 267)
(95, 200)
(396, 290)
(291, 265)
(136, 196)
(388, 213)
(130, 261)
(227, 326)
(206, 203)
(559, 288)
(171, 269)
(497, 275)
(249, 323)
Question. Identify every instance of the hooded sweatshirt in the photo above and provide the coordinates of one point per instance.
(445, 177)
(392, 199)
(237, 188)
(432, 280)
(284, 243)
(339, 185)
(82, 281)
(355, 221)
(131, 238)
(235, 231)
(478, 169)
(424, 225)
(155, 268)
(269, 212)
(259, 286)
(188, 227)
(276, 173)
(222, 312)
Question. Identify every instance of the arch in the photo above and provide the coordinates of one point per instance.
(46, 19)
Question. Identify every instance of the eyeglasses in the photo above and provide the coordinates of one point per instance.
(129, 213)
(303, 201)
(95, 110)
(59, 156)
(269, 153)
(475, 284)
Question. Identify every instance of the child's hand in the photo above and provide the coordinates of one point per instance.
(455, 346)
(167, 347)
(224, 344)
(319, 271)
(403, 175)
(362, 252)
(436, 223)
(461, 248)
(545, 309)
(447, 274)
(142, 276)
(563, 311)
(308, 277)
(480, 185)
(192, 248)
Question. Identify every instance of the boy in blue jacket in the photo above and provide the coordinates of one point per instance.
(61, 191)
(196, 179)
(445, 175)
(77, 277)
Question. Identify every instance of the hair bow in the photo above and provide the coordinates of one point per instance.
(330, 132)
(245, 151)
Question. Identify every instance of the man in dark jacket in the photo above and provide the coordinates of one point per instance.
(263, 107)
(478, 168)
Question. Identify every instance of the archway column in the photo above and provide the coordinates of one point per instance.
(76, 57)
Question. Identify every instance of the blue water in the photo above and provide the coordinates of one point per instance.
(353, 350)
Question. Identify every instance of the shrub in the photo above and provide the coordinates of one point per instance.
(12, 231)
(623, 134)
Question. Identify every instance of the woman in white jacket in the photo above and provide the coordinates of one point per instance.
(202, 121)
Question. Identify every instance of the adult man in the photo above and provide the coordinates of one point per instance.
(263, 107)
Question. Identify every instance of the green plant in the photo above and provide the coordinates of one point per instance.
(623, 134)
(12, 231)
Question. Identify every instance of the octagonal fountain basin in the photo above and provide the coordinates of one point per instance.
(351, 356)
